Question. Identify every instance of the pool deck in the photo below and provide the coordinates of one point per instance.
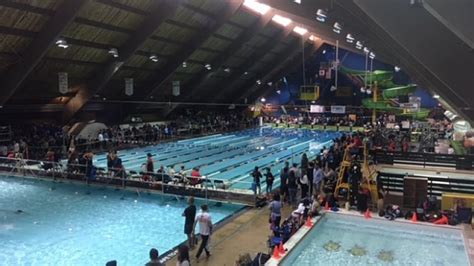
(247, 233)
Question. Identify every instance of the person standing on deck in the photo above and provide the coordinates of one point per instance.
(189, 214)
(269, 180)
(205, 230)
(292, 187)
(284, 181)
(256, 180)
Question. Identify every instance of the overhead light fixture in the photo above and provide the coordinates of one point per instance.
(371, 55)
(113, 52)
(313, 102)
(263, 100)
(297, 1)
(313, 38)
(153, 58)
(246, 73)
(321, 15)
(362, 89)
(349, 38)
(366, 50)
(284, 21)
(301, 31)
(324, 51)
(259, 82)
(185, 65)
(278, 91)
(270, 83)
(337, 27)
(227, 70)
(257, 7)
(436, 96)
(368, 91)
(62, 43)
(359, 45)
(397, 68)
(208, 66)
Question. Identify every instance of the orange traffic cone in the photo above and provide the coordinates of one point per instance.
(326, 206)
(367, 214)
(309, 222)
(276, 254)
(281, 249)
(414, 218)
(442, 220)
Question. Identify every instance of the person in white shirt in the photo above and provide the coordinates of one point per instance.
(205, 230)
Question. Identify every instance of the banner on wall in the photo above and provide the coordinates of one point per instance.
(63, 82)
(128, 86)
(316, 109)
(338, 109)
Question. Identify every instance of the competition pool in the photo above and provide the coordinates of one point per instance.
(74, 224)
(339, 239)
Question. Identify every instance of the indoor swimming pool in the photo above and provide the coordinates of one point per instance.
(74, 224)
(351, 240)
(227, 157)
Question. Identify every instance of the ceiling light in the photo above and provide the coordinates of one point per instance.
(436, 96)
(366, 50)
(397, 68)
(246, 73)
(113, 52)
(324, 51)
(185, 64)
(337, 27)
(259, 82)
(368, 91)
(313, 38)
(270, 83)
(208, 66)
(281, 20)
(359, 45)
(62, 43)
(350, 38)
(257, 7)
(153, 58)
(227, 70)
(297, 1)
(371, 55)
(300, 30)
(321, 15)
(362, 89)
(278, 91)
(263, 100)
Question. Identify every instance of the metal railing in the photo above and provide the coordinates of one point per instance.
(437, 184)
(198, 186)
(459, 162)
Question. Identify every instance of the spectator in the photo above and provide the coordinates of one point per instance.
(275, 210)
(269, 180)
(154, 258)
(183, 256)
(189, 214)
(256, 180)
(205, 230)
(284, 181)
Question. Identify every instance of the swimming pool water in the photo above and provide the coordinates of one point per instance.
(385, 243)
(73, 224)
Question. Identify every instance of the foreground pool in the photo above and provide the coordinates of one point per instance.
(72, 224)
(345, 240)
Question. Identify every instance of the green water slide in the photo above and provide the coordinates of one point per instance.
(389, 90)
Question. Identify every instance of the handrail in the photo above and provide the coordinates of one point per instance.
(459, 162)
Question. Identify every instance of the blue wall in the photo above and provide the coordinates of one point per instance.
(290, 89)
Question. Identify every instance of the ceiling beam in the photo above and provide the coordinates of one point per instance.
(26, 7)
(194, 44)
(160, 12)
(46, 38)
(219, 61)
(256, 56)
(293, 60)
